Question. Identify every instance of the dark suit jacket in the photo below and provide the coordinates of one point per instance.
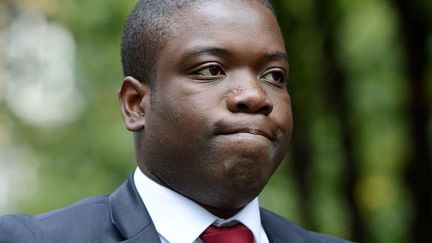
(121, 217)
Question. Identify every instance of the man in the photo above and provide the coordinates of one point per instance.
(205, 95)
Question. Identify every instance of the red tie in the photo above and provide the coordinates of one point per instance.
(237, 233)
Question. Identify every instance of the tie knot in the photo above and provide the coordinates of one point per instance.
(237, 233)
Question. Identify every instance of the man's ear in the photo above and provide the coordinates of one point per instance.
(133, 97)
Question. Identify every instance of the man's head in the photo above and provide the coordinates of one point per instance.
(216, 120)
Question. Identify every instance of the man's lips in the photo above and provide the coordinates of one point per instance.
(247, 130)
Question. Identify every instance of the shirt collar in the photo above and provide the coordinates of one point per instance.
(179, 219)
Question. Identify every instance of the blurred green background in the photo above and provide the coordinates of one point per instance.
(360, 79)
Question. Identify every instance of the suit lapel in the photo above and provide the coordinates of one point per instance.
(129, 215)
(279, 230)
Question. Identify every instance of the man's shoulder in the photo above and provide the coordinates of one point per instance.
(86, 216)
(85, 208)
(284, 230)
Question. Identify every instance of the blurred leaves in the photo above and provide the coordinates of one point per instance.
(330, 43)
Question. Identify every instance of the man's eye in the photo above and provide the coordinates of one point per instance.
(212, 70)
(274, 76)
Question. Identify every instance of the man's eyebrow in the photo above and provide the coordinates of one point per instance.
(277, 55)
(222, 51)
(204, 50)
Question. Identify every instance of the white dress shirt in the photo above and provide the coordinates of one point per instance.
(180, 220)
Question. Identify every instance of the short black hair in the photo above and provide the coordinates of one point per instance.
(146, 31)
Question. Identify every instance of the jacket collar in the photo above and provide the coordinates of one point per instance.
(129, 215)
(279, 229)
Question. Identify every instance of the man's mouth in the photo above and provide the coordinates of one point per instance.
(247, 130)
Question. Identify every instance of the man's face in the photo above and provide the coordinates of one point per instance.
(219, 121)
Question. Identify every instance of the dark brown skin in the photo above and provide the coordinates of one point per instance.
(218, 121)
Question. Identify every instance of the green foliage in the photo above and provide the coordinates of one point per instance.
(94, 154)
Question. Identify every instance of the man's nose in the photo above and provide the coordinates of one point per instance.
(248, 96)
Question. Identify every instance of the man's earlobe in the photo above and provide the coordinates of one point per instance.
(133, 97)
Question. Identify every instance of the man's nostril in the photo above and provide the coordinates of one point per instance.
(242, 107)
(266, 109)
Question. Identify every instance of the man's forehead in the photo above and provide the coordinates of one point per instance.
(227, 17)
(220, 9)
(204, 26)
